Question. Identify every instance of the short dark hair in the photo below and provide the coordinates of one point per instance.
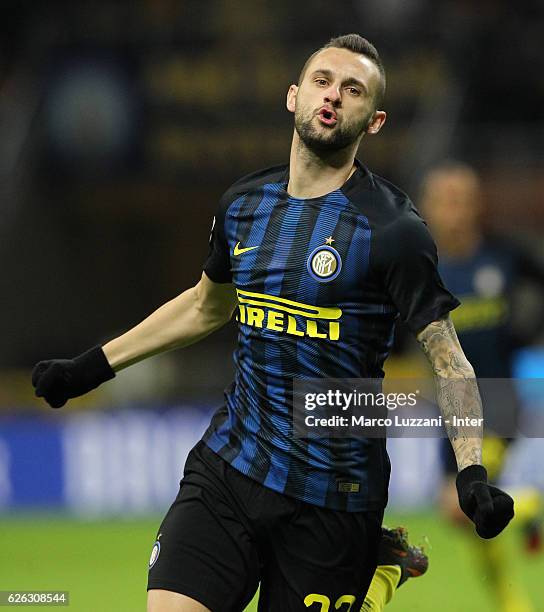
(356, 44)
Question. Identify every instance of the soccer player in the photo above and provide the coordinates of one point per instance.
(318, 258)
(484, 271)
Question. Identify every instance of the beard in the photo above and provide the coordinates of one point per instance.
(324, 139)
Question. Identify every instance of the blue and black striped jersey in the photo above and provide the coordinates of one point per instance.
(320, 283)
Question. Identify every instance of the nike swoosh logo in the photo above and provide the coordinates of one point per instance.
(239, 251)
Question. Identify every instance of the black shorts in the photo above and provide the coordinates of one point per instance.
(226, 533)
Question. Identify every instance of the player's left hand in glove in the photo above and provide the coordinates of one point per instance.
(489, 508)
(58, 380)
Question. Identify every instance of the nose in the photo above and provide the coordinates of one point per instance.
(333, 95)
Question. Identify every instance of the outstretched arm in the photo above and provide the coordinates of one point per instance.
(186, 319)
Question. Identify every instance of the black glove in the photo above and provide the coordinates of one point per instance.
(489, 508)
(58, 380)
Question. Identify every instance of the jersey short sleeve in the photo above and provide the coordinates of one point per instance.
(217, 264)
(406, 260)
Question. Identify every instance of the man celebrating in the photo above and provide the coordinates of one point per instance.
(319, 258)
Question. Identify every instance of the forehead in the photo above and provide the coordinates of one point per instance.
(345, 64)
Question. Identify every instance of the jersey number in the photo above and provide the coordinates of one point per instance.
(326, 602)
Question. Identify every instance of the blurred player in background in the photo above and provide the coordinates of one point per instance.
(318, 257)
(485, 272)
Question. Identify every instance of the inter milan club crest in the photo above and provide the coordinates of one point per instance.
(154, 553)
(324, 263)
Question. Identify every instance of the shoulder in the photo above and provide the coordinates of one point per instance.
(396, 224)
(379, 199)
(408, 223)
(389, 190)
(400, 232)
(396, 207)
(395, 212)
(406, 239)
(250, 182)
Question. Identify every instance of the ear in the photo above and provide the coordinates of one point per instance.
(292, 98)
(376, 122)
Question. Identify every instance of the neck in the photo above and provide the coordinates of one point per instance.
(313, 174)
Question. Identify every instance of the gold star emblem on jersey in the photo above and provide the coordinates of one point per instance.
(240, 251)
(329, 240)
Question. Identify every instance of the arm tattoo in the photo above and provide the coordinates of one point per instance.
(456, 389)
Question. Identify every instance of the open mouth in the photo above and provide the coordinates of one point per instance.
(327, 116)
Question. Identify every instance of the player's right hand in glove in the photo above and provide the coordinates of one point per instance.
(58, 380)
(489, 508)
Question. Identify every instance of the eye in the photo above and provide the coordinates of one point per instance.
(354, 91)
(322, 82)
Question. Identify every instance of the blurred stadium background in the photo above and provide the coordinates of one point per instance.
(121, 125)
